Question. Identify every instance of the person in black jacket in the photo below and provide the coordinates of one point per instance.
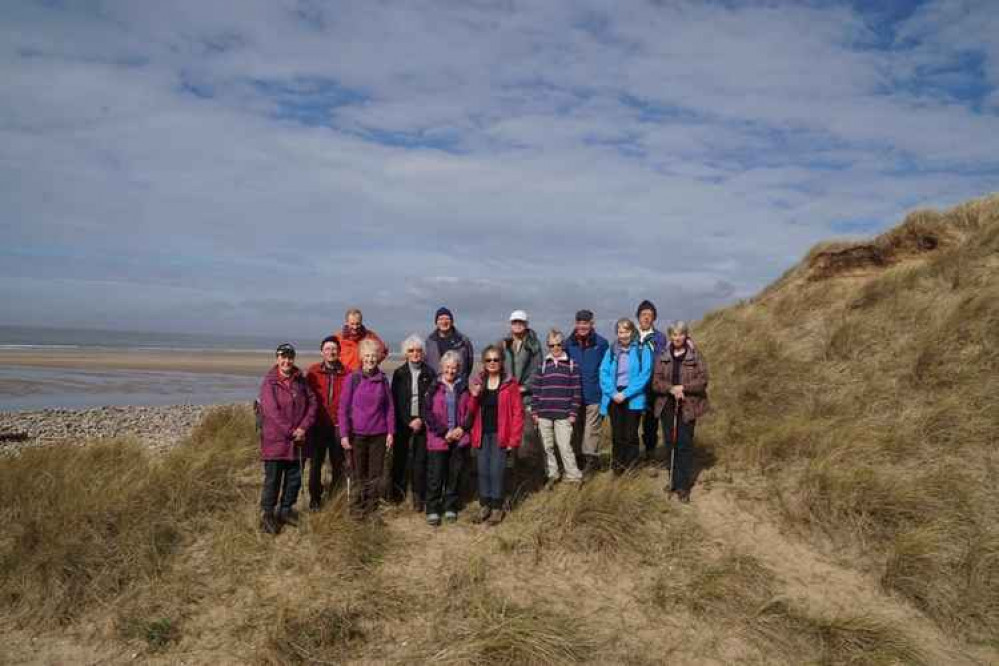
(410, 383)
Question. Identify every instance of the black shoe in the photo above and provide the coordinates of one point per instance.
(419, 506)
(315, 505)
(268, 525)
(684, 496)
(288, 517)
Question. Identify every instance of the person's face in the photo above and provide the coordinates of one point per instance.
(285, 363)
(646, 319)
(450, 372)
(518, 327)
(330, 352)
(555, 347)
(444, 324)
(414, 354)
(624, 334)
(583, 328)
(678, 339)
(354, 322)
(369, 360)
(492, 363)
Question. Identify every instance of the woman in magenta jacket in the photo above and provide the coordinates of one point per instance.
(447, 414)
(497, 428)
(287, 410)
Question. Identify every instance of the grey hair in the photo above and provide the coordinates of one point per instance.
(412, 341)
(554, 335)
(451, 356)
(678, 327)
(367, 344)
(352, 311)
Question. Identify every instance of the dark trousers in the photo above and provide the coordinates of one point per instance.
(682, 451)
(650, 425)
(409, 454)
(325, 443)
(281, 477)
(492, 468)
(624, 436)
(444, 471)
(369, 465)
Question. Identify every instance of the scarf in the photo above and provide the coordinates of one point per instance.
(355, 337)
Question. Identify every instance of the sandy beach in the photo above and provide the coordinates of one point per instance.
(246, 363)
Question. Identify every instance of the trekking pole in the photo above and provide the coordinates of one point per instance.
(674, 440)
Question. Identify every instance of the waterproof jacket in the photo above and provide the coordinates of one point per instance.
(523, 366)
(327, 384)
(435, 414)
(693, 378)
(402, 392)
(284, 407)
(655, 341)
(509, 415)
(639, 371)
(557, 388)
(436, 346)
(588, 354)
(350, 354)
(366, 405)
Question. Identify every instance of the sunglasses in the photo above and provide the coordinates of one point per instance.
(491, 360)
(414, 351)
(554, 344)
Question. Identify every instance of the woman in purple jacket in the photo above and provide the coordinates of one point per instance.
(448, 412)
(367, 419)
(287, 410)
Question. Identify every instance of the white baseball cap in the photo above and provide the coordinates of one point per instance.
(518, 315)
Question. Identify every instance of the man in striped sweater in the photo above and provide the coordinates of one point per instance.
(557, 398)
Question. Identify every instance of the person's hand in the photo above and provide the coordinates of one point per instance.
(345, 443)
(416, 424)
(298, 434)
(619, 397)
(475, 388)
(677, 391)
(458, 433)
(389, 441)
(572, 418)
(535, 417)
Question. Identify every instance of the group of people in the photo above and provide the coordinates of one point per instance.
(433, 412)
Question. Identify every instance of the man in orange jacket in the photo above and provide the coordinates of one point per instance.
(350, 337)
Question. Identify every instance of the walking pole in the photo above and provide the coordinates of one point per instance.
(674, 437)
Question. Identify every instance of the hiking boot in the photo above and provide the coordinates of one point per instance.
(482, 515)
(288, 517)
(419, 506)
(315, 506)
(550, 483)
(450, 516)
(575, 483)
(496, 517)
(268, 525)
(684, 496)
(433, 519)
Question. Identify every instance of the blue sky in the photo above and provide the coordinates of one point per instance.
(259, 166)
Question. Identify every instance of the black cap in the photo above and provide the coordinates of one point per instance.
(584, 315)
(647, 305)
(285, 349)
(328, 338)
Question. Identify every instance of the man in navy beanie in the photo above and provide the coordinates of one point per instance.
(445, 338)
(650, 336)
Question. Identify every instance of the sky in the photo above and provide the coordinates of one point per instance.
(258, 166)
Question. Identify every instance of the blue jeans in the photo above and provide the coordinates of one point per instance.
(492, 465)
(281, 477)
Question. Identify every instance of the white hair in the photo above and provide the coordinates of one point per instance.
(678, 327)
(451, 356)
(413, 341)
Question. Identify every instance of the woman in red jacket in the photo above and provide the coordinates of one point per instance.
(497, 428)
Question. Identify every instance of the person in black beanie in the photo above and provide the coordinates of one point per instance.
(649, 336)
(444, 338)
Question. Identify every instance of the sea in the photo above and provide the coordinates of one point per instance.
(33, 388)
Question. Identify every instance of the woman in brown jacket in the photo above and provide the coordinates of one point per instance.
(680, 381)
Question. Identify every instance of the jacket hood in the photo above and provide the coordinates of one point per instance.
(274, 375)
(338, 368)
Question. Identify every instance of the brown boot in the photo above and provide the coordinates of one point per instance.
(496, 517)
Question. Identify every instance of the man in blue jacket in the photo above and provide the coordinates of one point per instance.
(586, 349)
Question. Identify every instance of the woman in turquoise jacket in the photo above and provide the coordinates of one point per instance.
(624, 377)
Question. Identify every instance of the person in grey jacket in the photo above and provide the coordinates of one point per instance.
(445, 338)
(522, 356)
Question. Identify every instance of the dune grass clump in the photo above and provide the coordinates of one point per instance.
(85, 524)
(607, 515)
(862, 386)
(497, 631)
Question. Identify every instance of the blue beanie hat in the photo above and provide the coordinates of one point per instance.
(443, 311)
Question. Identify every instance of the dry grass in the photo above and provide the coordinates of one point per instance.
(864, 390)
